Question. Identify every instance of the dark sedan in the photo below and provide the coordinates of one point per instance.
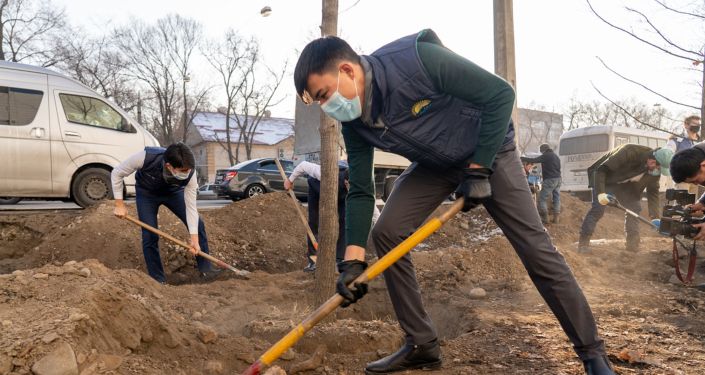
(257, 176)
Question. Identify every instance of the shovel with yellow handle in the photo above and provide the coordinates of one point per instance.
(370, 273)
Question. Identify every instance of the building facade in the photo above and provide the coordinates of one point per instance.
(273, 137)
(537, 127)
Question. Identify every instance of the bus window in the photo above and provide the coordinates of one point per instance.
(653, 143)
(584, 144)
(620, 139)
(643, 141)
(633, 139)
(661, 142)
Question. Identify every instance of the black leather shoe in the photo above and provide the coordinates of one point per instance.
(598, 366)
(211, 274)
(409, 357)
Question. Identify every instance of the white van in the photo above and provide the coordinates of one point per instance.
(60, 139)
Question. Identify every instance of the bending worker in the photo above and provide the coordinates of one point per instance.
(451, 118)
(164, 177)
(551, 174)
(622, 175)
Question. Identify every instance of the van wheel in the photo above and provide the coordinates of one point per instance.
(91, 186)
(10, 200)
(388, 186)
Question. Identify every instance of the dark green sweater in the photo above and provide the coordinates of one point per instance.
(454, 75)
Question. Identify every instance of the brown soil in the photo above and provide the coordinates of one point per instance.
(119, 321)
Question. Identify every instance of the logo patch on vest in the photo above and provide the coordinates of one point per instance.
(420, 107)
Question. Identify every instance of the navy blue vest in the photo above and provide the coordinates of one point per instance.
(422, 124)
(684, 143)
(151, 176)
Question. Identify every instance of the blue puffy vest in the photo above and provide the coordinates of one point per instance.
(422, 124)
(684, 143)
(151, 176)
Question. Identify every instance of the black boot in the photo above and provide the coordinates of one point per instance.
(409, 357)
(544, 217)
(598, 366)
(584, 245)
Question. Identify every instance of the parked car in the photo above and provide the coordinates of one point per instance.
(255, 177)
(10, 200)
(60, 139)
(208, 191)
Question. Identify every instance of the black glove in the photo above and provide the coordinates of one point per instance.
(349, 271)
(475, 187)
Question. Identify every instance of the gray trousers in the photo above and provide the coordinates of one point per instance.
(419, 191)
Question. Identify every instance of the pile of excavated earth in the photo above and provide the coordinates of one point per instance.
(75, 299)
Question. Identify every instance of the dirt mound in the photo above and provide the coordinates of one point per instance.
(259, 233)
(262, 233)
(573, 212)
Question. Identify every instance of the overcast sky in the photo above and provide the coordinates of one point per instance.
(556, 41)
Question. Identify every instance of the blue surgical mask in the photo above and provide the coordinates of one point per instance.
(342, 108)
(655, 172)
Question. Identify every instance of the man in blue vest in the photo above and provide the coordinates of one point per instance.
(451, 118)
(690, 135)
(164, 177)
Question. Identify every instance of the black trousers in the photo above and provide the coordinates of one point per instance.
(314, 197)
(419, 191)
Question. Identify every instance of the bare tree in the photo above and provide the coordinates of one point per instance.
(28, 31)
(98, 64)
(252, 99)
(159, 57)
(657, 37)
(227, 57)
(629, 113)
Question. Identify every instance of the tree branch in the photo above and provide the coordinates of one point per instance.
(645, 87)
(629, 114)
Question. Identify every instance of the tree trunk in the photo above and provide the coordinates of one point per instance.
(328, 213)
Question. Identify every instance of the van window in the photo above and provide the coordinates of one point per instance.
(585, 144)
(90, 111)
(18, 106)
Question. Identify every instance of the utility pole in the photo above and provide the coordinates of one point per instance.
(328, 214)
(504, 61)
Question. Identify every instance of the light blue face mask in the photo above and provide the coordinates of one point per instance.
(342, 108)
(655, 172)
(179, 175)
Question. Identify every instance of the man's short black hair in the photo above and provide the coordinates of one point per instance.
(686, 163)
(179, 156)
(320, 56)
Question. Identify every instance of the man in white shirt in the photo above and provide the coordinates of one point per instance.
(164, 177)
(314, 193)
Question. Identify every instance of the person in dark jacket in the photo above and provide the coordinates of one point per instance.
(164, 177)
(689, 166)
(551, 175)
(451, 118)
(622, 175)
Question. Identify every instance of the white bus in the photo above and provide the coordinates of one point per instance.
(580, 148)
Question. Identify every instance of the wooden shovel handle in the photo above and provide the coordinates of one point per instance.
(186, 246)
(298, 207)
